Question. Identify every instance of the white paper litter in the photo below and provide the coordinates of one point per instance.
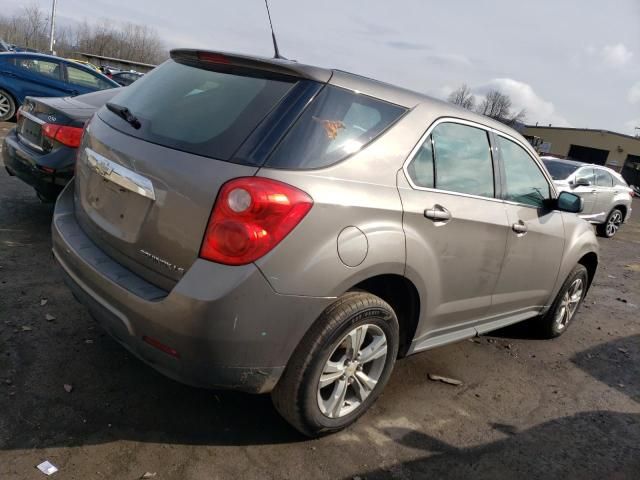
(47, 468)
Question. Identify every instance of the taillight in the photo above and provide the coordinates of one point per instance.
(250, 217)
(69, 136)
(18, 114)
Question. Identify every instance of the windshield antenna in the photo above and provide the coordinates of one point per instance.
(273, 35)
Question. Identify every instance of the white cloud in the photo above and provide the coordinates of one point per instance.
(634, 94)
(523, 96)
(616, 55)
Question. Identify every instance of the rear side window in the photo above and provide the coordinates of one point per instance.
(337, 124)
(195, 110)
(603, 179)
(463, 160)
(421, 168)
(524, 181)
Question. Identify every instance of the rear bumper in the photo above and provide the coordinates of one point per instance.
(26, 164)
(228, 326)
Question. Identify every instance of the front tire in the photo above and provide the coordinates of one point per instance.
(562, 312)
(7, 106)
(610, 227)
(340, 367)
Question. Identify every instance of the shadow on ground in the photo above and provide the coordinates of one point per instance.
(620, 356)
(590, 445)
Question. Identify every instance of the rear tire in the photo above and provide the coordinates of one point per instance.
(610, 227)
(341, 365)
(7, 106)
(562, 312)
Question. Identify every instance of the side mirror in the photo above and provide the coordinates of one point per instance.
(582, 182)
(569, 202)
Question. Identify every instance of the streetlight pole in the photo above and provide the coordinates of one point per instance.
(53, 27)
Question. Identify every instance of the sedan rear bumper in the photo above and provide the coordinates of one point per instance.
(30, 166)
(219, 327)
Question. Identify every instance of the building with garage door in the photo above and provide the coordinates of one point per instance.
(602, 147)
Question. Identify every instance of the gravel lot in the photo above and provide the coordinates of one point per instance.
(528, 408)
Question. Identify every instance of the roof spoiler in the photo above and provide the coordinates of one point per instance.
(243, 64)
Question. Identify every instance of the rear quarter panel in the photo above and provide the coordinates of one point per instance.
(360, 191)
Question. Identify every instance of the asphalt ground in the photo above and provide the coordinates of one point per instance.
(527, 408)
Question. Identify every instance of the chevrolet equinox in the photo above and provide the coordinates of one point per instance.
(267, 226)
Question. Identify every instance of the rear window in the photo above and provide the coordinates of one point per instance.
(337, 124)
(195, 110)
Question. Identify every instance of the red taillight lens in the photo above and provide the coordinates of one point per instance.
(69, 136)
(250, 217)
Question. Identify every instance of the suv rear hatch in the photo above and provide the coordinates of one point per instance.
(153, 160)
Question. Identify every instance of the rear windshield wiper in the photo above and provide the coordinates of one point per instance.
(125, 114)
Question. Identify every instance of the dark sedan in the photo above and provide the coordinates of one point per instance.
(41, 150)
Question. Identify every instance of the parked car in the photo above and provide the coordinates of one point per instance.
(30, 74)
(42, 149)
(126, 78)
(86, 64)
(108, 70)
(607, 197)
(299, 228)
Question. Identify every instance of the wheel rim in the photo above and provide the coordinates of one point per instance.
(5, 106)
(614, 223)
(569, 303)
(352, 371)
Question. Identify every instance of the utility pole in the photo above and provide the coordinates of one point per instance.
(53, 28)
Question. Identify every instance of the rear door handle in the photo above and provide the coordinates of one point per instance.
(8, 74)
(438, 214)
(520, 227)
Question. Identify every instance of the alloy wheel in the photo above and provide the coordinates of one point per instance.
(569, 304)
(613, 224)
(5, 105)
(352, 371)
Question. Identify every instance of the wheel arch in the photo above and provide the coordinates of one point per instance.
(590, 262)
(399, 292)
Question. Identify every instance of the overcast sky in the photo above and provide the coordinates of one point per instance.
(568, 62)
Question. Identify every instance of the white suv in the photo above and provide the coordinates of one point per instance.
(607, 196)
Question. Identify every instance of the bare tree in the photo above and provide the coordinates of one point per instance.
(463, 97)
(128, 41)
(497, 105)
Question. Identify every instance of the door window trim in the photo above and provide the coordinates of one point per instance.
(552, 188)
(493, 148)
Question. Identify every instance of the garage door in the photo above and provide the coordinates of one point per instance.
(588, 154)
(631, 170)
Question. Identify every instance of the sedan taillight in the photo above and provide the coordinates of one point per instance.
(250, 217)
(69, 136)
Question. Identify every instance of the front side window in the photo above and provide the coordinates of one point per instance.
(603, 179)
(338, 123)
(463, 160)
(524, 181)
(586, 174)
(40, 67)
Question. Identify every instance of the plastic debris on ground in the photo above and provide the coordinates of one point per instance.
(47, 468)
